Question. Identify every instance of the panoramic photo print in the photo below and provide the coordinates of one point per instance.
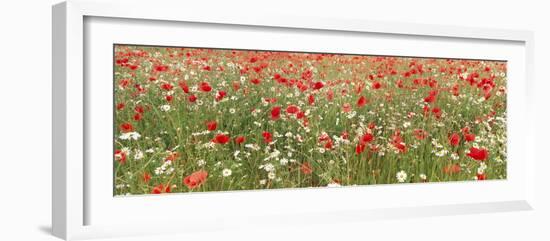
(199, 120)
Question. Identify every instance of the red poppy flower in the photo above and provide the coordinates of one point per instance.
(267, 137)
(454, 139)
(318, 85)
(311, 99)
(172, 156)
(426, 110)
(221, 139)
(362, 101)
(346, 107)
(306, 168)
(239, 140)
(469, 137)
(330, 95)
(221, 94)
(455, 90)
(478, 154)
(431, 97)
(169, 98)
(120, 106)
(344, 135)
(481, 176)
(167, 86)
(276, 113)
(211, 125)
(120, 156)
(376, 85)
(236, 85)
(126, 127)
(328, 144)
(139, 88)
(195, 179)
(255, 81)
(400, 146)
(124, 83)
(292, 109)
(184, 87)
(300, 115)
(146, 177)
(307, 75)
(161, 189)
(305, 122)
(192, 98)
(397, 142)
(366, 138)
(420, 134)
(205, 87)
(371, 125)
(451, 169)
(437, 112)
(324, 137)
(157, 189)
(400, 84)
(359, 148)
(137, 117)
(122, 61)
(160, 68)
(139, 109)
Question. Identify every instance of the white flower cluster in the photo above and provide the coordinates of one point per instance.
(273, 155)
(482, 167)
(351, 115)
(254, 146)
(439, 150)
(138, 154)
(166, 168)
(129, 136)
(206, 132)
(201, 163)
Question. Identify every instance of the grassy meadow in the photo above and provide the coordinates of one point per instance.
(196, 120)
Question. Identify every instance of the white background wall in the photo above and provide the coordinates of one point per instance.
(25, 118)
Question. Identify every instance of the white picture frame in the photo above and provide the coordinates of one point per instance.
(73, 194)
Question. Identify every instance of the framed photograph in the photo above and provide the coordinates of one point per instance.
(166, 122)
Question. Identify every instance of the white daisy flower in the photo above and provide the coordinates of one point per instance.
(226, 172)
(401, 176)
(165, 108)
(423, 176)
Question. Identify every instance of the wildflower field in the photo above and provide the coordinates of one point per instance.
(196, 120)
